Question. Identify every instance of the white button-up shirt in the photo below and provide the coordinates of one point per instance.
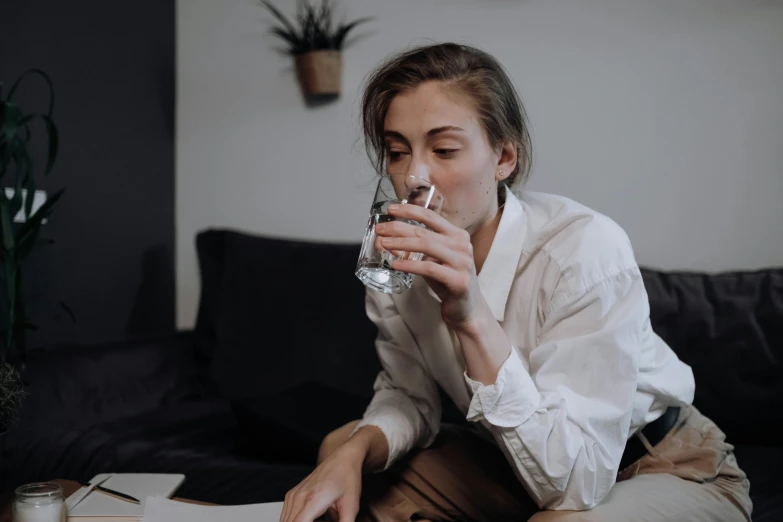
(586, 370)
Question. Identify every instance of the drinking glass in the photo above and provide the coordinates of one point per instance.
(374, 266)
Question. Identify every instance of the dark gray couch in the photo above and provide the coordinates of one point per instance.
(282, 353)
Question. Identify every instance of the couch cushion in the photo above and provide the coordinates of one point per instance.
(210, 247)
(86, 385)
(290, 312)
(762, 465)
(196, 438)
(289, 426)
(729, 329)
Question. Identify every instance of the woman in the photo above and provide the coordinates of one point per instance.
(532, 315)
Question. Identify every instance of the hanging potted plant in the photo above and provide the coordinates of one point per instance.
(316, 43)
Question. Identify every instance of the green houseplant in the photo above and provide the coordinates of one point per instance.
(18, 240)
(315, 41)
(11, 394)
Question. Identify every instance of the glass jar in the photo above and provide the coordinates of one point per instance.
(39, 502)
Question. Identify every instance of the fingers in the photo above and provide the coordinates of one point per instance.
(348, 511)
(287, 505)
(456, 281)
(398, 237)
(457, 239)
(424, 216)
(305, 503)
(292, 501)
(313, 505)
(380, 248)
(430, 247)
(332, 515)
(399, 228)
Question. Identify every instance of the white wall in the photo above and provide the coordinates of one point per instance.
(666, 115)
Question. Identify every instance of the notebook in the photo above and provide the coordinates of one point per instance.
(96, 505)
(164, 510)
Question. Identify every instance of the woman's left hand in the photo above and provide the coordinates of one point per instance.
(447, 266)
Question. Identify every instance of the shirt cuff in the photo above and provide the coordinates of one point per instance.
(510, 401)
(389, 422)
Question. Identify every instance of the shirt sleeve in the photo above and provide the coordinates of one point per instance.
(406, 405)
(564, 419)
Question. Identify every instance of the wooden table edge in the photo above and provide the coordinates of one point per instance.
(69, 487)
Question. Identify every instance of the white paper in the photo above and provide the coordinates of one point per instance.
(159, 509)
(79, 495)
(137, 485)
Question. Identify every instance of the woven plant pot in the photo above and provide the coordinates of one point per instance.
(319, 72)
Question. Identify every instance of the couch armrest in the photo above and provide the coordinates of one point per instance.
(82, 386)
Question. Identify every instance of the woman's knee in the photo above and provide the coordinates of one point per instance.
(335, 439)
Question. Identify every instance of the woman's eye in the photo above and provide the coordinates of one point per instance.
(395, 155)
(446, 153)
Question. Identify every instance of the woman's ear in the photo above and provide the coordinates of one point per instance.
(507, 161)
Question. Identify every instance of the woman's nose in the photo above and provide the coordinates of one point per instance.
(419, 186)
(419, 169)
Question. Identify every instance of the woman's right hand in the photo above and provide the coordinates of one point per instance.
(336, 483)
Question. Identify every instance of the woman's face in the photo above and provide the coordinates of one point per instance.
(434, 133)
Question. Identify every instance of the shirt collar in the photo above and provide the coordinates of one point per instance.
(500, 267)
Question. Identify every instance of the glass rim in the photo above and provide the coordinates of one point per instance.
(39, 490)
(430, 184)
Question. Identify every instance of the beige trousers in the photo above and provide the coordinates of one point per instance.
(690, 476)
